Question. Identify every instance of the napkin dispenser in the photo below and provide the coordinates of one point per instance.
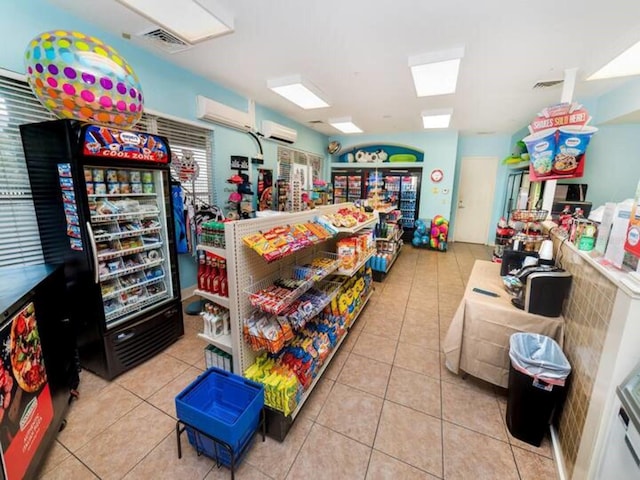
(544, 292)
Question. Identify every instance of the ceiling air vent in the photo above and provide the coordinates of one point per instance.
(164, 40)
(548, 84)
(315, 122)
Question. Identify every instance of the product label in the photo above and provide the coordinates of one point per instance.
(108, 142)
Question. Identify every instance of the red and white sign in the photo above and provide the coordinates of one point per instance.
(560, 115)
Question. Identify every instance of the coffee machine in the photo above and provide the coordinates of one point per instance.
(544, 289)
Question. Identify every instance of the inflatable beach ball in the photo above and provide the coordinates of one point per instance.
(78, 76)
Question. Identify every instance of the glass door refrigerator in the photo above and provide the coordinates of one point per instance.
(405, 185)
(354, 189)
(339, 181)
(104, 209)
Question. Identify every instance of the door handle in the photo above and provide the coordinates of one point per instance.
(460, 204)
(94, 253)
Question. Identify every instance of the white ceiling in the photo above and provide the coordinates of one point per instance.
(356, 52)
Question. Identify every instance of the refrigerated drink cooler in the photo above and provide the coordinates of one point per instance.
(104, 208)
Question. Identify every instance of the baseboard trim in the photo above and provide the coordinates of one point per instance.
(557, 454)
(187, 293)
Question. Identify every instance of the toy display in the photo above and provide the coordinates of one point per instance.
(434, 235)
(79, 76)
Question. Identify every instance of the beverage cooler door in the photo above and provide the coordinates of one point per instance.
(355, 187)
(128, 233)
(408, 200)
(339, 188)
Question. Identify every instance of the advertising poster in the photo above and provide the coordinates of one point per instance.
(558, 142)
(632, 239)
(265, 189)
(26, 410)
(108, 142)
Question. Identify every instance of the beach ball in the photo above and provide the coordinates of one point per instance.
(79, 76)
(444, 228)
(416, 241)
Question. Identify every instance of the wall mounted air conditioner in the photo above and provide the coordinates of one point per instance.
(222, 114)
(275, 131)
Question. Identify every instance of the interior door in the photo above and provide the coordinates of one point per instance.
(475, 199)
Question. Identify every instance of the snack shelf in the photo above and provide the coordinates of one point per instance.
(394, 237)
(396, 220)
(388, 209)
(296, 324)
(360, 264)
(327, 361)
(369, 223)
(95, 196)
(133, 307)
(126, 271)
(395, 256)
(128, 234)
(221, 252)
(222, 301)
(310, 275)
(124, 216)
(115, 293)
(223, 342)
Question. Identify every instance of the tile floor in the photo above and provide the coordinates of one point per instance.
(386, 407)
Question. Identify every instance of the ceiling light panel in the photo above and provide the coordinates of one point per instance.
(625, 64)
(298, 92)
(190, 20)
(345, 125)
(436, 73)
(436, 118)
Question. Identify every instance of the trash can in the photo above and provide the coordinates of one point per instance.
(537, 376)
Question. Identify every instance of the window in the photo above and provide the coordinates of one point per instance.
(19, 238)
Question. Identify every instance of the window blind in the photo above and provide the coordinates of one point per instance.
(19, 239)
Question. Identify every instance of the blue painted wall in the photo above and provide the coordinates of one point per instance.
(167, 88)
(440, 149)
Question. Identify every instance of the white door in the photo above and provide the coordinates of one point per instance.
(475, 199)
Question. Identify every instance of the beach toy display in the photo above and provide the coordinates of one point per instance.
(79, 76)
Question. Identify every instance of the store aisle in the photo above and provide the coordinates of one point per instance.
(386, 407)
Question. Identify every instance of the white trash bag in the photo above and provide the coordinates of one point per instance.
(539, 357)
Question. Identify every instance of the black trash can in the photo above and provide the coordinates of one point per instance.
(537, 377)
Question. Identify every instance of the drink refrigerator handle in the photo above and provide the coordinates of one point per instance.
(94, 253)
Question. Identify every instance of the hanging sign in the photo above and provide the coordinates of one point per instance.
(99, 141)
(558, 141)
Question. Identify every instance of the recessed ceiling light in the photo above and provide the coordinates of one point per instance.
(295, 90)
(625, 64)
(436, 118)
(436, 73)
(189, 19)
(345, 125)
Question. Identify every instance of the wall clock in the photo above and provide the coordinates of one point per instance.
(436, 175)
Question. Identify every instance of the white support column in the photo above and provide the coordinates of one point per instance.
(568, 87)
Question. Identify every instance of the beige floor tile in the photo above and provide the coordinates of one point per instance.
(365, 374)
(351, 412)
(472, 409)
(384, 467)
(425, 336)
(534, 467)
(90, 384)
(420, 316)
(422, 302)
(244, 472)
(383, 327)
(189, 349)
(335, 366)
(375, 347)
(416, 391)
(89, 417)
(448, 376)
(410, 436)
(163, 462)
(152, 375)
(140, 430)
(71, 468)
(200, 364)
(55, 456)
(330, 455)
(274, 458)
(350, 340)
(471, 455)
(165, 398)
(418, 359)
(360, 322)
(315, 402)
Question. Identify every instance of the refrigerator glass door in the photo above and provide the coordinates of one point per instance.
(375, 185)
(355, 187)
(339, 188)
(408, 200)
(129, 235)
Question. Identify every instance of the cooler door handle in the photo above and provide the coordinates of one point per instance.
(94, 253)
